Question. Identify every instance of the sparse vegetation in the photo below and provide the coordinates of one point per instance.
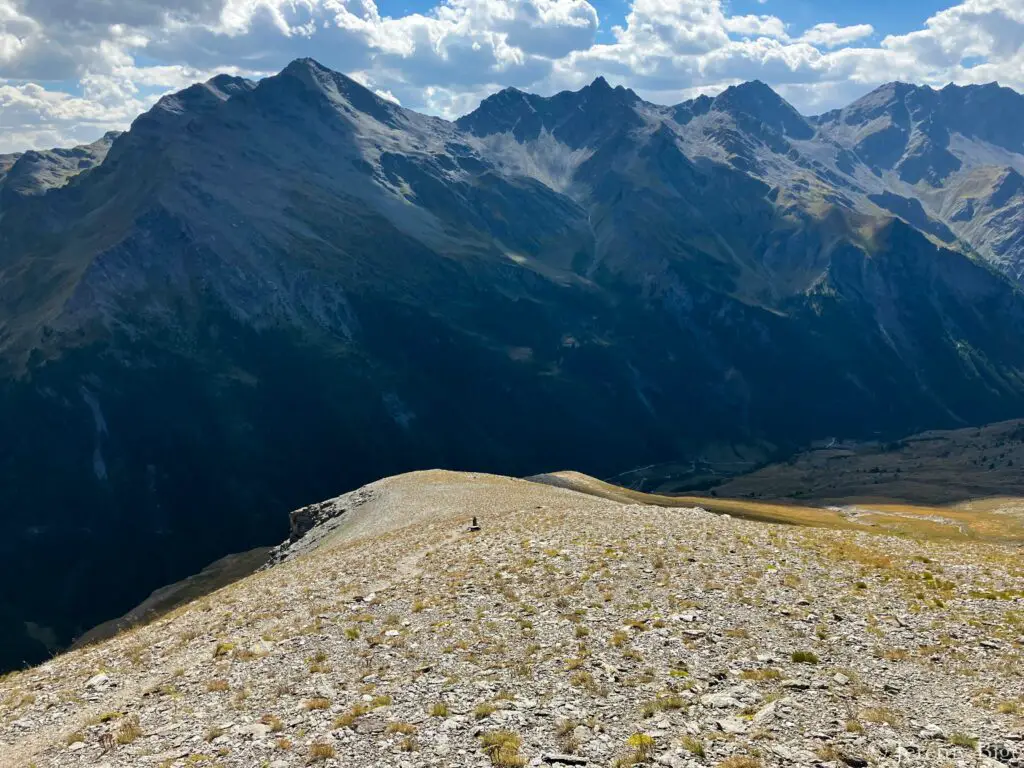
(319, 752)
(483, 710)
(963, 740)
(761, 675)
(694, 746)
(223, 649)
(879, 716)
(273, 722)
(740, 761)
(641, 747)
(565, 733)
(128, 730)
(317, 663)
(348, 719)
(502, 747)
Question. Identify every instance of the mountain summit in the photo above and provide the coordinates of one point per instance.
(757, 102)
(572, 117)
(265, 291)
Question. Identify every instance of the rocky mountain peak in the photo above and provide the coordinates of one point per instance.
(228, 85)
(508, 110)
(316, 76)
(757, 100)
(685, 112)
(312, 73)
(914, 129)
(201, 97)
(175, 110)
(341, 91)
(502, 101)
(881, 101)
(576, 117)
(978, 87)
(600, 89)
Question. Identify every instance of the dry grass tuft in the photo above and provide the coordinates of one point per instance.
(319, 752)
(502, 747)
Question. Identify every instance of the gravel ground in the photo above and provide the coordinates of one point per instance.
(569, 630)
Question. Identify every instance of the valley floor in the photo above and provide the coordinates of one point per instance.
(570, 628)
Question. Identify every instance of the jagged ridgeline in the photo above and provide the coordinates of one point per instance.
(265, 293)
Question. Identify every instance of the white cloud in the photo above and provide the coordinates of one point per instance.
(70, 69)
(830, 35)
(756, 26)
(992, 29)
(36, 117)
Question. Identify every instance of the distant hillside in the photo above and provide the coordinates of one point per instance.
(937, 467)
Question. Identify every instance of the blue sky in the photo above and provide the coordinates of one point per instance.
(889, 17)
(70, 71)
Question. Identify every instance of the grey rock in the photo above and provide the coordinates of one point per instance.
(766, 714)
(555, 758)
(254, 731)
(720, 701)
(99, 682)
(796, 685)
(732, 725)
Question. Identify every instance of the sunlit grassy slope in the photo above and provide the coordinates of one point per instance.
(999, 519)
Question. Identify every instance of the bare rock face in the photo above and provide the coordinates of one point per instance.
(310, 525)
(304, 519)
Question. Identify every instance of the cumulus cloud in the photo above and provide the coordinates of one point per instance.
(756, 26)
(70, 69)
(37, 117)
(989, 29)
(830, 35)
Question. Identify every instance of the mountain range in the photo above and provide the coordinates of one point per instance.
(264, 293)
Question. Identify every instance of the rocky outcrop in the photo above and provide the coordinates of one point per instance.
(311, 525)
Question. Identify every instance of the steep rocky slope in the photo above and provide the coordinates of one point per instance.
(267, 291)
(951, 153)
(569, 630)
